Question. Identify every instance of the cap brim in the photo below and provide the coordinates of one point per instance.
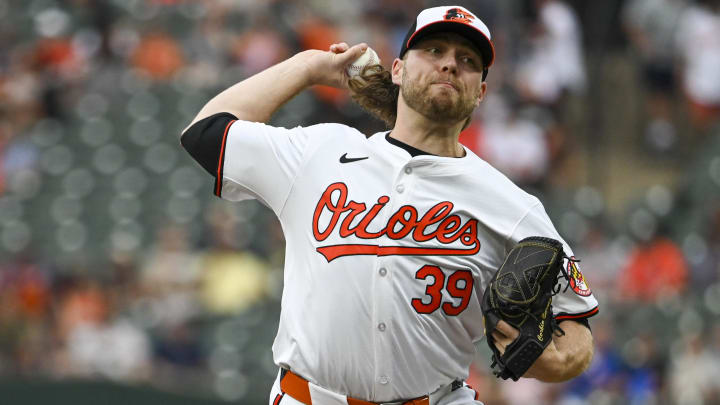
(477, 37)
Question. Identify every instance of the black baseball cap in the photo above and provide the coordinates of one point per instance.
(452, 19)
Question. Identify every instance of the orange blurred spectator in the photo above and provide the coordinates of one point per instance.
(56, 53)
(33, 297)
(85, 303)
(314, 33)
(25, 289)
(158, 55)
(655, 269)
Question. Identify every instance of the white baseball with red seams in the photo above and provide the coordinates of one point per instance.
(368, 58)
(387, 255)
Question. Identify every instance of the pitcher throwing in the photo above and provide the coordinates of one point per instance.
(392, 239)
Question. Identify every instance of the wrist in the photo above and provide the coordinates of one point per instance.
(303, 62)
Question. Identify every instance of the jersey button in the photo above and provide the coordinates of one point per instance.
(381, 327)
(382, 271)
(383, 380)
(408, 170)
(400, 188)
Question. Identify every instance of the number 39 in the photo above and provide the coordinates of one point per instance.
(434, 290)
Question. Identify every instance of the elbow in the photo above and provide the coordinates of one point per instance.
(586, 360)
(565, 369)
(566, 360)
(576, 366)
(577, 350)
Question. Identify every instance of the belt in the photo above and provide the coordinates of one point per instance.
(297, 387)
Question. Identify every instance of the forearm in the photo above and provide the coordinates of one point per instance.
(259, 96)
(567, 357)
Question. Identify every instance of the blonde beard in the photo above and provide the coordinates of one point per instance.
(450, 111)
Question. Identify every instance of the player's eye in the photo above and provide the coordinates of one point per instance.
(468, 60)
(433, 50)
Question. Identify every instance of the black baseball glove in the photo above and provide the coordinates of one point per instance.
(521, 294)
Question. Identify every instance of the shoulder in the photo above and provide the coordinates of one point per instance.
(321, 134)
(317, 134)
(487, 177)
(321, 128)
(334, 129)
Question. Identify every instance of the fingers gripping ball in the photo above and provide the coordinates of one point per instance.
(368, 58)
(521, 293)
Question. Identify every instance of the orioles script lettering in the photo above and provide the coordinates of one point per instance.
(437, 224)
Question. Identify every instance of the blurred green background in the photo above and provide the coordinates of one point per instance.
(123, 280)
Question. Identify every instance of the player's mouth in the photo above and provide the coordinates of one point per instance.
(447, 84)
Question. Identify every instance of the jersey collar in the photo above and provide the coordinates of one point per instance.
(416, 153)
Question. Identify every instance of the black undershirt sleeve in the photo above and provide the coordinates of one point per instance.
(203, 140)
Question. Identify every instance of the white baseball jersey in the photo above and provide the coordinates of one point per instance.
(387, 255)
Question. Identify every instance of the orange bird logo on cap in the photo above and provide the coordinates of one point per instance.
(456, 14)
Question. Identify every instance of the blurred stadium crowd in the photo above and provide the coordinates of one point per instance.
(117, 263)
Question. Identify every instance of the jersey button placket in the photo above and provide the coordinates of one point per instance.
(383, 315)
(404, 178)
(380, 339)
(385, 291)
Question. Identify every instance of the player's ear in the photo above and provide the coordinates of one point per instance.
(397, 69)
(481, 96)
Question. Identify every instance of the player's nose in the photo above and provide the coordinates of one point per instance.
(448, 63)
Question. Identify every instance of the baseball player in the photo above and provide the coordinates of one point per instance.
(390, 238)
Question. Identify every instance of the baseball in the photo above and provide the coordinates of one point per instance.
(369, 57)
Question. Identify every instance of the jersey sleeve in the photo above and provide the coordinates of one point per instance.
(260, 161)
(576, 301)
